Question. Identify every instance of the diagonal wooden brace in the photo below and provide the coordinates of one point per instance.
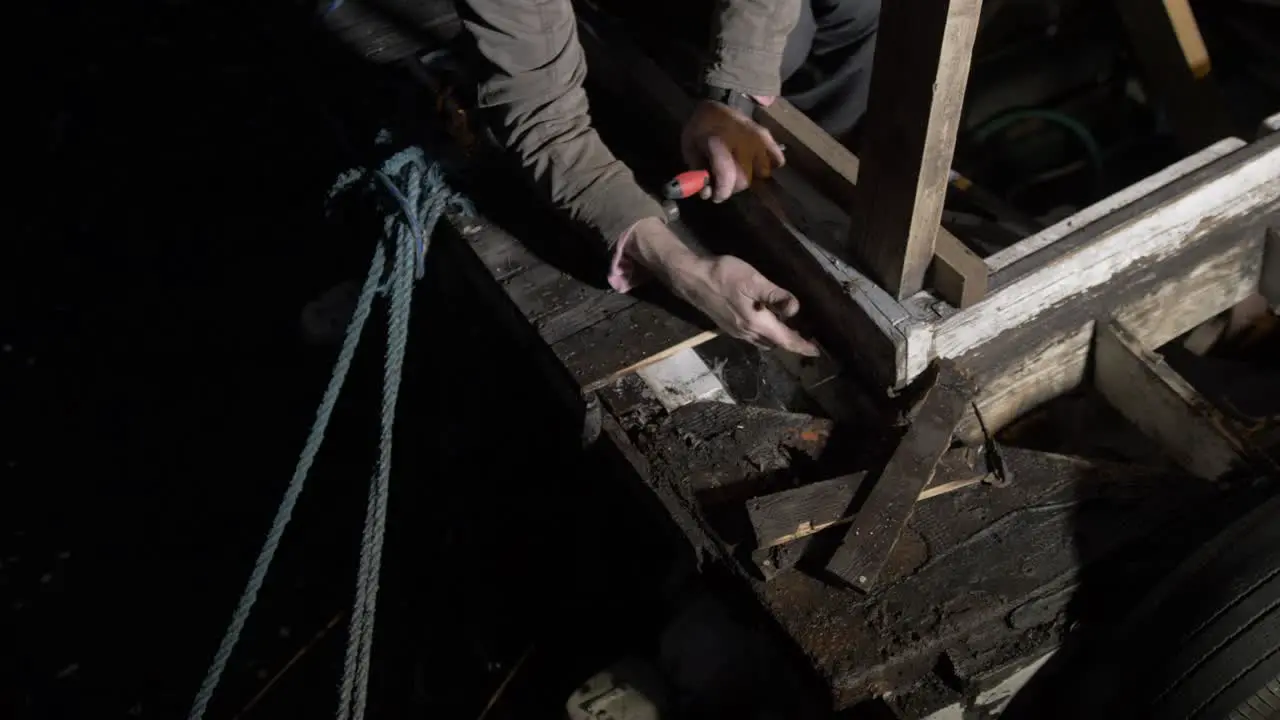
(880, 520)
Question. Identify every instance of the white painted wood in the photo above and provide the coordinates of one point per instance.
(1146, 239)
(1110, 204)
(950, 712)
(1270, 125)
(683, 378)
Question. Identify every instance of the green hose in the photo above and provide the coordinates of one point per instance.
(1004, 120)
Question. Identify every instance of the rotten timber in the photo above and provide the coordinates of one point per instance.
(881, 519)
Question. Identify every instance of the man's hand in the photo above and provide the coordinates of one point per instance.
(741, 301)
(732, 146)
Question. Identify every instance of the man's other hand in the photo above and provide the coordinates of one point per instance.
(732, 146)
(742, 302)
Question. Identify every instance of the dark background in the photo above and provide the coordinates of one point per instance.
(167, 228)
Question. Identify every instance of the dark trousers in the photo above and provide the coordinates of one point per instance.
(827, 64)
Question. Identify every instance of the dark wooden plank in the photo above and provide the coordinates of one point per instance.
(724, 454)
(917, 93)
(789, 515)
(625, 342)
(1175, 63)
(559, 304)
(882, 517)
(970, 561)
(957, 273)
(502, 254)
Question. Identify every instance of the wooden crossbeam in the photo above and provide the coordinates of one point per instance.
(918, 80)
(959, 275)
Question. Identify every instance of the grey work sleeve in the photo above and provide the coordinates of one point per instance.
(535, 94)
(749, 38)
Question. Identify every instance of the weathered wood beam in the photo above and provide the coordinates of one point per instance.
(918, 80)
(1163, 264)
(790, 515)
(1028, 366)
(959, 275)
(1157, 400)
(881, 519)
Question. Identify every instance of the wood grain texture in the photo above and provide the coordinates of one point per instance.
(1031, 365)
(1152, 396)
(797, 513)
(957, 273)
(880, 520)
(920, 71)
(1230, 195)
(598, 334)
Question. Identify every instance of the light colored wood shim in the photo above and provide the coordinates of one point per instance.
(683, 378)
(1163, 405)
(1187, 31)
(686, 344)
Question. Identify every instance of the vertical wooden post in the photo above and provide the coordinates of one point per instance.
(917, 92)
(1167, 44)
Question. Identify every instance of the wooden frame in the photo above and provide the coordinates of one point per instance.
(1087, 300)
(1198, 222)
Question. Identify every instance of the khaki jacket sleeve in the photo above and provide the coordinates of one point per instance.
(540, 112)
(749, 38)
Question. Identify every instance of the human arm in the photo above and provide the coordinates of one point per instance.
(539, 111)
(749, 39)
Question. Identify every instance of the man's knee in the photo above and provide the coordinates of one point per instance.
(846, 21)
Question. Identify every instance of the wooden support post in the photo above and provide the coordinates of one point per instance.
(917, 92)
(882, 517)
(1163, 405)
(1167, 44)
(959, 275)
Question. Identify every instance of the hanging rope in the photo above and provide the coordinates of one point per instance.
(421, 197)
